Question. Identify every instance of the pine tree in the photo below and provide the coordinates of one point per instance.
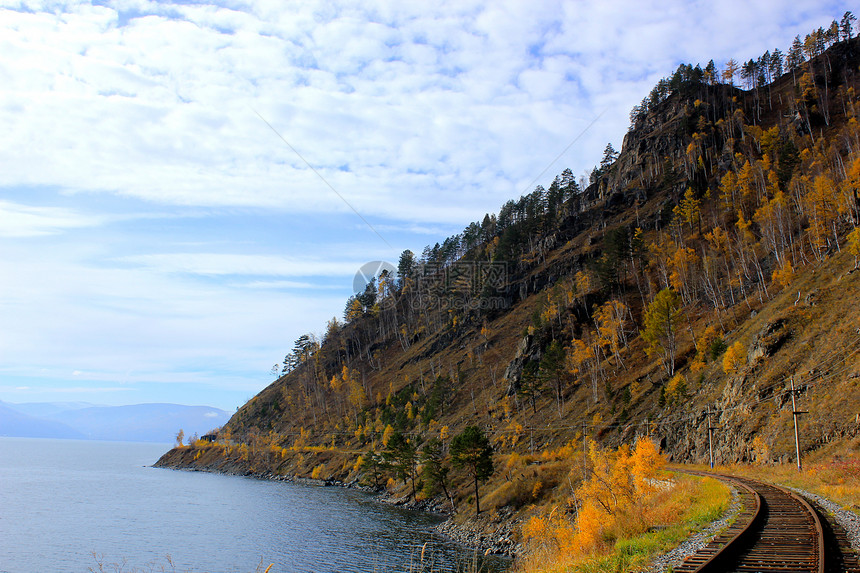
(775, 64)
(551, 368)
(711, 73)
(402, 456)
(471, 450)
(435, 471)
(609, 157)
(795, 57)
(846, 25)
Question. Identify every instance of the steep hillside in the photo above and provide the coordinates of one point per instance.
(701, 270)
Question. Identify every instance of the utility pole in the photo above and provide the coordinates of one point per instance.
(711, 430)
(795, 413)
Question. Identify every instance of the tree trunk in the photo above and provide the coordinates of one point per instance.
(449, 496)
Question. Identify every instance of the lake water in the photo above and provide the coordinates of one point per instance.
(63, 500)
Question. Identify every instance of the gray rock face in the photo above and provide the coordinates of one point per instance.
(527, 350)
(768, 341)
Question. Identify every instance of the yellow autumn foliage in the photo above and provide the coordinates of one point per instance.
(784, 274)
(617, 493)
(735, 358)
(854, 244)
(386, 435)
(676, 389)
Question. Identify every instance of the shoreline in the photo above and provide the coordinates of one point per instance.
(479, 533)
(492, 533)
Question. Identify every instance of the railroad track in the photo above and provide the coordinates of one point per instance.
(776, 531)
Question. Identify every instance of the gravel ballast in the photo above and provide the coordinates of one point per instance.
(847, 520)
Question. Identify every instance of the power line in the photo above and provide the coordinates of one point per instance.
(575, 139)
(324, 180)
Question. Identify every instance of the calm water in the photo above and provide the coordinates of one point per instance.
(62, 500)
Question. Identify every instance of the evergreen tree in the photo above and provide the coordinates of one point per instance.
(531, 382)
(435, 471)
(775, 64)
(710, 74)
(846, 26)
(471, 450)
(609, 157)
(374, 463)
(405, 266)
(368, 297)
(402, 456)
(552, 365)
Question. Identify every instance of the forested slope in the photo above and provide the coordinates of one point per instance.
(694, 275)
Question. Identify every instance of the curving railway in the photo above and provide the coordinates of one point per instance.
(776, 531)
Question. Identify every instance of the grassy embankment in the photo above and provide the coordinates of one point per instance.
(611, 510)
(628, 541)
(626, 510)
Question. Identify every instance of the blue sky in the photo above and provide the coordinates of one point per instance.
(160, 243)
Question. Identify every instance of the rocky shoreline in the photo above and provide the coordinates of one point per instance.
(489, 535)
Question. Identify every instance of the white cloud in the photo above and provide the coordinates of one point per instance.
(161, 108)
(18, 220)
(288, 285)
(134, 126)
(240, 264)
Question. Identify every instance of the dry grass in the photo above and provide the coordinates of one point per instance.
(833, 472)
(631, 541)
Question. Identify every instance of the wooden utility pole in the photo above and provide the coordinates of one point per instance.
(795, 413)
(711, 430)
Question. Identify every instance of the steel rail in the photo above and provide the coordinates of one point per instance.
(776, 531)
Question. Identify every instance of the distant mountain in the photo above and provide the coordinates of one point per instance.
(135, 423)
(14, 423)
(47, 409)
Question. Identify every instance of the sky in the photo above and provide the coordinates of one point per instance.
(187, 187)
